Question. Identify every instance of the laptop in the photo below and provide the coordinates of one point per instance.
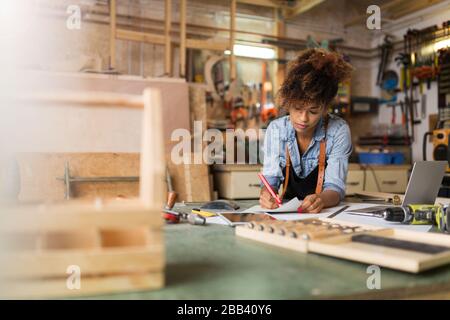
(423, 185)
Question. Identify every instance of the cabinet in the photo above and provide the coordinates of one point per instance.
(236, 181)
(383, 178)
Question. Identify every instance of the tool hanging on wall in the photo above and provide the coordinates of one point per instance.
(405, 82)
(386, 49)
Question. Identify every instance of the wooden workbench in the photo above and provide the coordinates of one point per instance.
(209, 262)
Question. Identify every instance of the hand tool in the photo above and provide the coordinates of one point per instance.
(334, 214)
(171, 216)
(203, 213)
(196, 219)
(419, 214)
(171, 194)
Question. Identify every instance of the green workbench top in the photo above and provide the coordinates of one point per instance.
(210, 262)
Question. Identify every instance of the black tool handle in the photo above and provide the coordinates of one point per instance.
(395, 214)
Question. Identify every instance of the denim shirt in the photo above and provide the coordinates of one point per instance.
(338, 149)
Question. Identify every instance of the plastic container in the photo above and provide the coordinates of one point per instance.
(381, 158)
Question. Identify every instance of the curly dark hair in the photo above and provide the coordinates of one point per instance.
(313, 77)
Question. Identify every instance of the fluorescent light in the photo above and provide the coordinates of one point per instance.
(241, 50)
(442, 44)
(429, 49)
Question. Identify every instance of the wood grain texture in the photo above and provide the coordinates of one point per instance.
(38, 173)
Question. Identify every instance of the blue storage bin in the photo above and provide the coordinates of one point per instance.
(398, 158)
(381, 158)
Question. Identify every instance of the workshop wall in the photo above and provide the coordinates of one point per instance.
(89, 49)
(428, 17)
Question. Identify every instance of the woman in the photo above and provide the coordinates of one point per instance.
(308, 149)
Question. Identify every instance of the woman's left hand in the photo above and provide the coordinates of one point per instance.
(312, 203)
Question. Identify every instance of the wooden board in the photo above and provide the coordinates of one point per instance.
(191, 182)
(174, 93)
(333, 241)
(89, 286)
(38, 173)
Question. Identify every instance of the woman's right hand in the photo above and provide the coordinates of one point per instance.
(266, 200)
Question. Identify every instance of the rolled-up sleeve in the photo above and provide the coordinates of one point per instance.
(272, 147)
(337, 163)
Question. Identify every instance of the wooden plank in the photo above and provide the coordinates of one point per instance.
(38, 174)
(413, 7)
(182, 38)
(272, 239)
(47, 288)
(75, 217)
(85, 98)
(302, 7)
(112, 34)
(91, 262)
(262, 3)
(280, 29)
(232, 39)
(207, 44)
(138, 36)
(167, 39)
(335, 243)
(153, 168)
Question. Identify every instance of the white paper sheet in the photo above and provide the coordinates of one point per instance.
(217, 220)
(289, 207)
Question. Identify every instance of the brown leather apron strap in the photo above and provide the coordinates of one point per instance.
(321, 175)
(288, 170)
(322, 158)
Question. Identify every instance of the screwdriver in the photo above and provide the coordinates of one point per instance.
(196, 219)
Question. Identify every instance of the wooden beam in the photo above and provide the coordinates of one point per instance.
(362, 17)
(232, 37)
(152, 38)
(153, 168)
(138, 36)
(262, 3)
(207, 44)
(182, 38)
(112, 34)
(302, 7)
(279, 31)
(93, 99)
(413, 7)
(167, 44)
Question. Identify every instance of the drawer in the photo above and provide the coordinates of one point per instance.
(392, 181)
(237, 184)
(355, 182)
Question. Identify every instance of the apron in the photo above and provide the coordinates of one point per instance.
(300, 188)
(313, 183)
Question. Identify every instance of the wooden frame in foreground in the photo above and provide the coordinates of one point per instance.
(78, 248)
